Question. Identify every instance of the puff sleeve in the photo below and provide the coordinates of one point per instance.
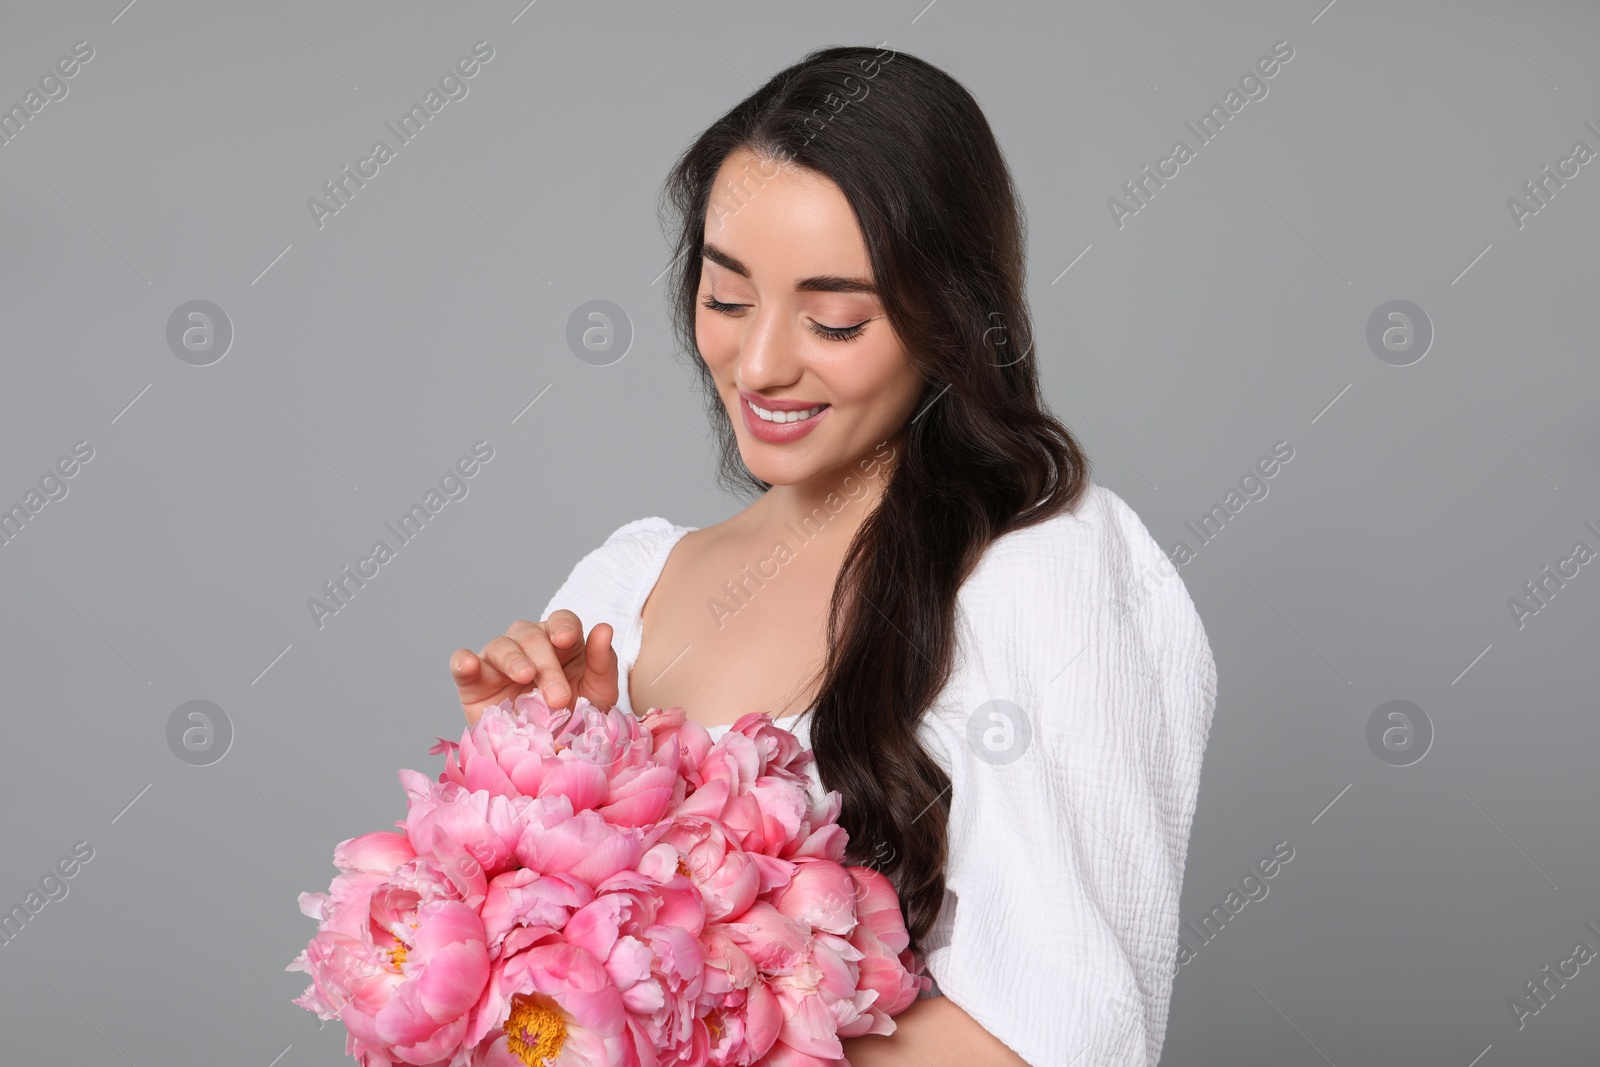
(602, 586)
(1074, 747)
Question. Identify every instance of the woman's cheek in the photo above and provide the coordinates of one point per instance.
(865, 370)
(716, 341)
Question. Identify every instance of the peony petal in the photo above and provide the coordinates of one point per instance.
(594, 927)
(878, 907)
(584, 784)
(640, 798)
(731, 887)
(584, 846)
(379, 852)
(763, 1019)
(821, 894)
(706, 801)
(808, 1028)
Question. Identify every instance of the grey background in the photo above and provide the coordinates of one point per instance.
(1227, 315)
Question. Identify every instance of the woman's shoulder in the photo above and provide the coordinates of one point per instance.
(631, 547)
(1085, 622)
(1093, 572)
(642, 534)
(1090, 548)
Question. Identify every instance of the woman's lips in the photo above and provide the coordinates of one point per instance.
(778, 432)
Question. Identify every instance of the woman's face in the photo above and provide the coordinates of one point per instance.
(788, 323)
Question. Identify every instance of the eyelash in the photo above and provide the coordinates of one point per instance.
(832, 333)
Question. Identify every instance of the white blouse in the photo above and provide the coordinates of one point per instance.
(1072, 729)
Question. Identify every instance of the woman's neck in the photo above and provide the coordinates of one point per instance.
(829, 507)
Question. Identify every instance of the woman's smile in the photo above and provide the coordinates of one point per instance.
(779, 421)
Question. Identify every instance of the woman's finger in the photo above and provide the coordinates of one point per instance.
(565, 631)
(537, 641)
(464, 666)
(531, 660)
(600, 668)
(474, 676)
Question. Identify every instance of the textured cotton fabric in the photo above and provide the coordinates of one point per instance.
(1073, 729)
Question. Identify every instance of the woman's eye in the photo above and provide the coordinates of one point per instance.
(839, 333)
(832, 333)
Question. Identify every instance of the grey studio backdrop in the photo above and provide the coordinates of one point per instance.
(1337, 285)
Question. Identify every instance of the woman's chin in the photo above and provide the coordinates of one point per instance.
(790, 469)
(776, 473)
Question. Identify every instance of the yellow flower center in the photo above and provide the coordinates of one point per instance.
(397, 955)
(536, 1029)
(683, 869)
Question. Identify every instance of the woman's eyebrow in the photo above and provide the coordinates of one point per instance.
(822, 283)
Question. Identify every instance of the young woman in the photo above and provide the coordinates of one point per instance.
(993, 661)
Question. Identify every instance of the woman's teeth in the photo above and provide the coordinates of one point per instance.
(786, 416)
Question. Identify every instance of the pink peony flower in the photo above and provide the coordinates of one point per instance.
(583, 845)
(821, 894)
(674, 732)
(727, 877)
(400, 970)
(887, 966)
(744, 1015)
(582, 888)
(647, 937)
(473, 835)
(560, 1010)
(523, 907)
(781, 751)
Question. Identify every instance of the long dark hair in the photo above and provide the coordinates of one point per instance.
(912, 153)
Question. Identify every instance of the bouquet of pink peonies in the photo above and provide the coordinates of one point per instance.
(593, 889)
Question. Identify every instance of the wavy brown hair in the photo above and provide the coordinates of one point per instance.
(913, 154)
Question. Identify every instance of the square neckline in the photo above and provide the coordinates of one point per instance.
(635, 635)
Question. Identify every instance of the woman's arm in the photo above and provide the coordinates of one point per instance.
(933, 1032)
(1068, 835)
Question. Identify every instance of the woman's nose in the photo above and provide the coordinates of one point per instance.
(767, 354)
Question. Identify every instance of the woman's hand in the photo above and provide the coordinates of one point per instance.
(551, 655)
